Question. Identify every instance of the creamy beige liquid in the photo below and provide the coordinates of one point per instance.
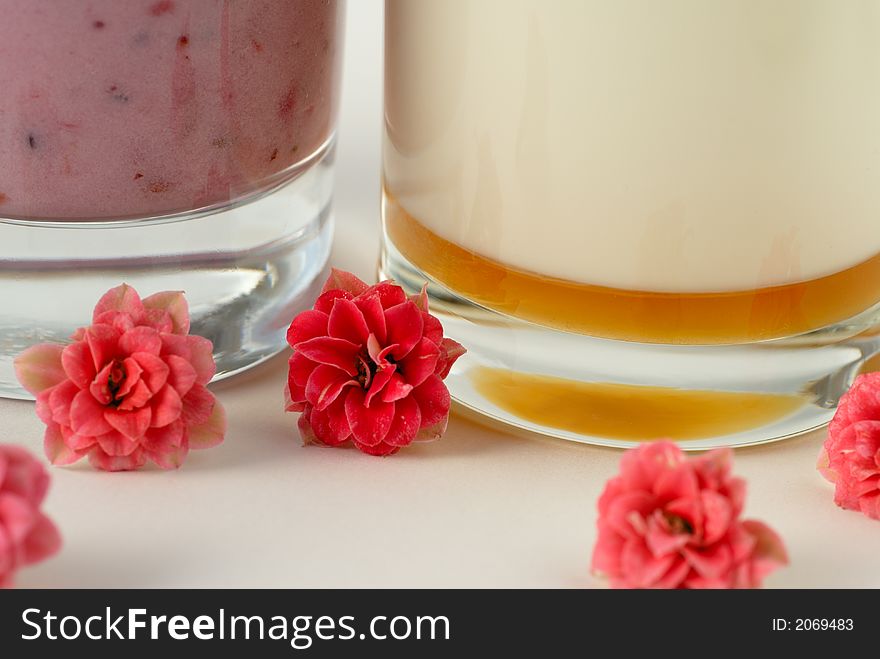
(679, 146)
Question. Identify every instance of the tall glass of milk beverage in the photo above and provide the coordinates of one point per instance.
(168, 144)
(644, 218)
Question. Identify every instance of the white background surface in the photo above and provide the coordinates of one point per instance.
(478, 508)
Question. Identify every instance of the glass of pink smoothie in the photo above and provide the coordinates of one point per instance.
(171, 144)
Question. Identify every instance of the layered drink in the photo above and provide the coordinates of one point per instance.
(676, 172)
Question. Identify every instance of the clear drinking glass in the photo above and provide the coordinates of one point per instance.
(170, 144)
(644, 218)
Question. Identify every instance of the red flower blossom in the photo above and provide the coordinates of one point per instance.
(26, 535)
(130, 387)
(368, 365)
(667, 521)
(850, 457)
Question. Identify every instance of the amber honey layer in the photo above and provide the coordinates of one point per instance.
(628, 412)
(630, 315)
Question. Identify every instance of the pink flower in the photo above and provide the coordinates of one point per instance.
(368, 365)
(130, 387)
(26, 535)
(667, 521)
(850, 457)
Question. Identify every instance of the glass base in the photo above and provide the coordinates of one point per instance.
(246, 269)
(619, 394)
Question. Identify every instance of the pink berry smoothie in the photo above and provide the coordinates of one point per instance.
(139, 108)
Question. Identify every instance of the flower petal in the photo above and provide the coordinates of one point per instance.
(43, 408)
(131, 424)
(17, 516)
(690, 510)
(57, 452)
(174, 344)
(675, 575)
(607, 550)
(420, 362)
(390, 294)
(369, 425)
(450, 351)
(104, 344)
(640, 468)
(198, 404)
(181, 375)
(377, 353)
(432, 432)
(116, 444)
(381, 450)
(167, 407)
(420, 299)
(325, 384)
(39, 367)
(769, 547)
(709, 562)
(396, 389)
(87, 417)
(211, 432)
(196, 350)
(304, 425)
(717, 516)
(434, 401)
(174, 303)
(128, 372)
(121, 322)
(345, 281)
(300, 368)
(334, 352)
(201, 358)
(141, 339)
(122, 298)
(325, 301)
(170, 459)
(291, 405)
(79, 443)
(627, 512)
(677, 482)
(158, 320)
(155, 370)
(662, 541)
(100, 386)
(381, 378)
(433, 330)
(307, 325)
(641, 569)
(78, 365)
(136, 399)
(404, 327)
(406, 424)
(371, 308)
(294, 396)
(162, 440)
(101, 460)
(347, 322)
(60, 399)
(41, 542)
(328, 427)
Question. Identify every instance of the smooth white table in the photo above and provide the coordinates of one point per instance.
(478, 508)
